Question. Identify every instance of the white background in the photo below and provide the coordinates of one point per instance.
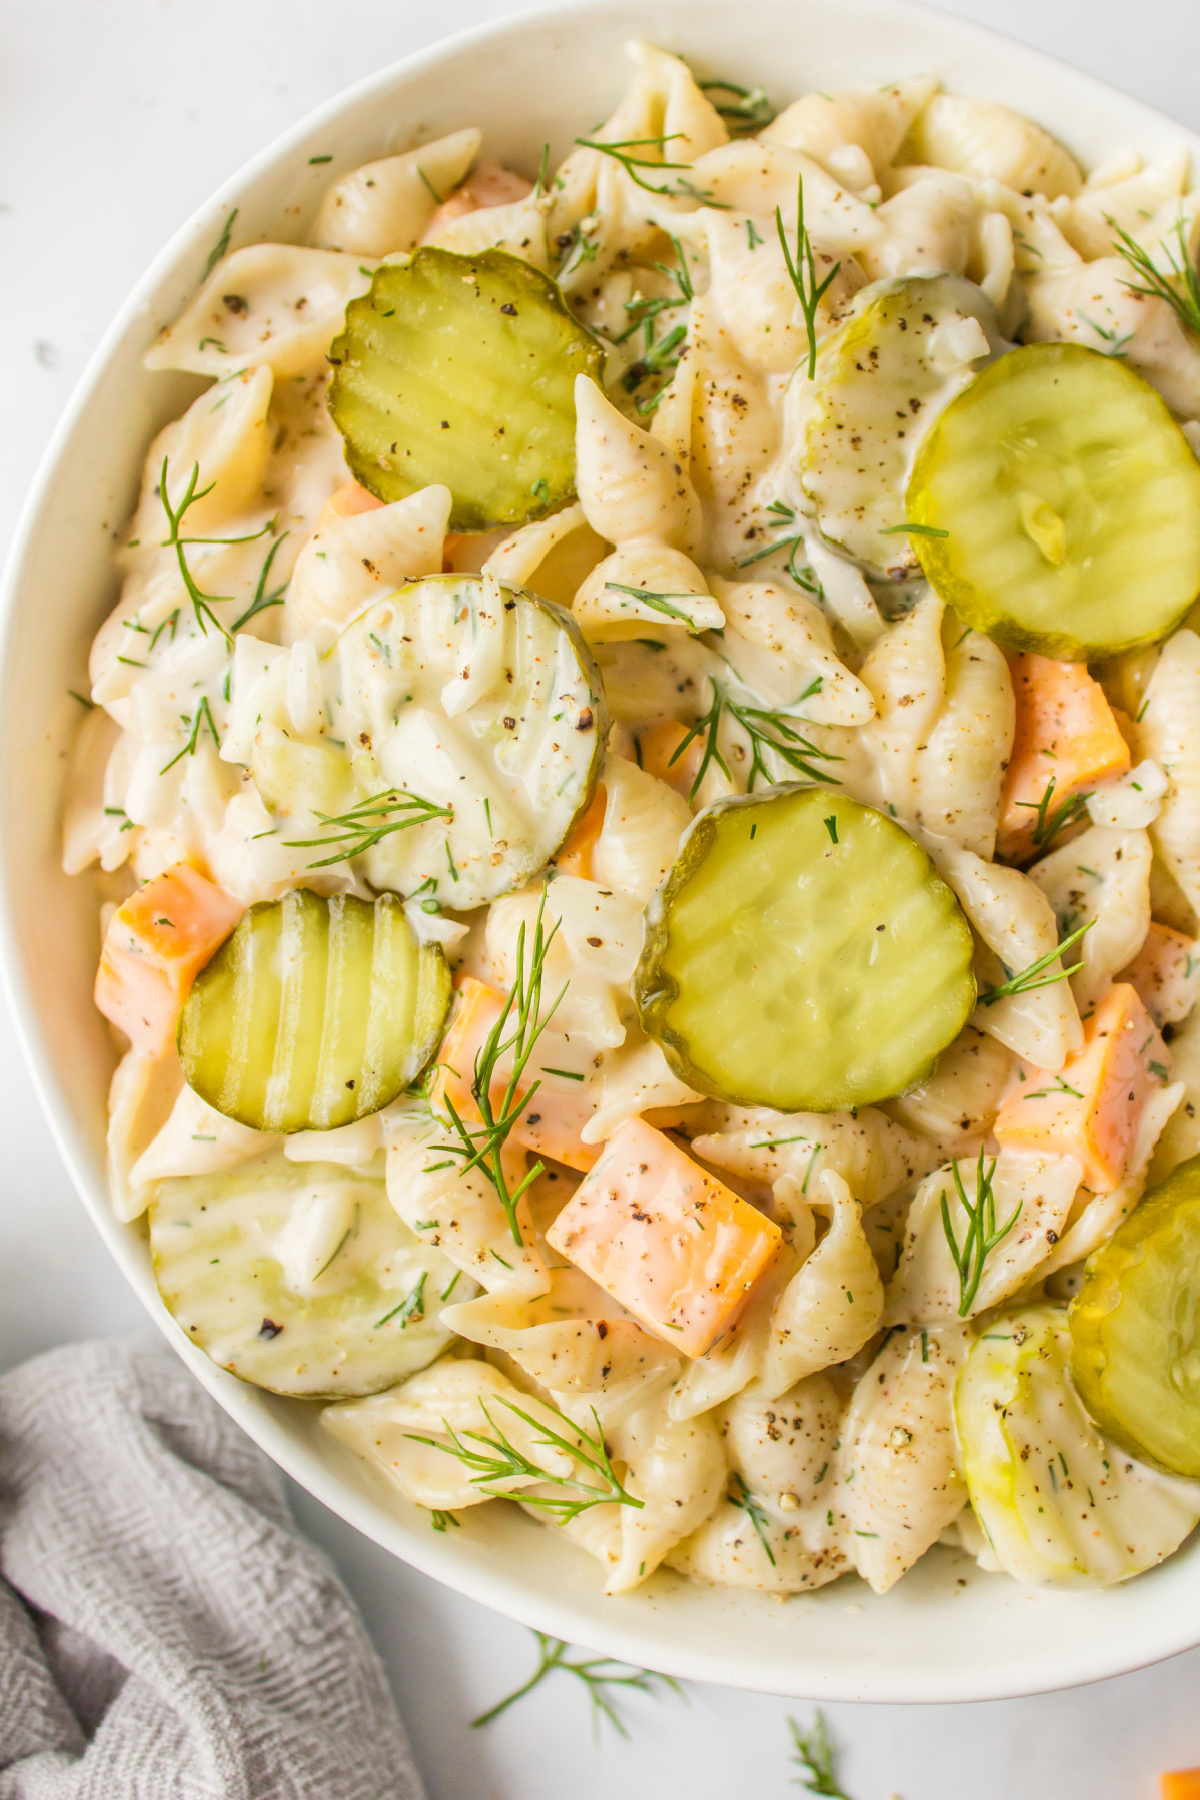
(117, 118)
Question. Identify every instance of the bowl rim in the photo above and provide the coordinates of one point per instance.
(617, 1634)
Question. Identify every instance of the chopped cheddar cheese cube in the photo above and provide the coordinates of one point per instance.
(665, 1238)
(345, 502)
(657, 744)
(155, 946)
(559, 1109)
(1091, 1109)
(1065, 733)
(575, 857)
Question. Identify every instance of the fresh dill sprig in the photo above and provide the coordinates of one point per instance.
(679, 273)
(750, 109)
(411, 1309)
(767, 729)
(662, 359)
(439, 1518)
(1184, 301)
(197, 721)
(645, 308)
(363, 825)
(791, 542)
(500, 1461)
(221, 247)
(599, 1675)
(802, 270)
(814, 1753)
(620, 151)
(758, 1517)
(982, 1233)
(202, 604)
(262, 599)
(1050, 822)
(1033, 977)
(660, 603)
(481, 1146)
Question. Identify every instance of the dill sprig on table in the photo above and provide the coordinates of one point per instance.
(600, 1675)
(498, 1460)
(982, 1234)
(814, 1753)
(363, 825)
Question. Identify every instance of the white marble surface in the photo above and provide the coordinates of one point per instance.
(118, 117)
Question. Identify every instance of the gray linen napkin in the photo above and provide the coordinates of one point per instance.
(164, 1632)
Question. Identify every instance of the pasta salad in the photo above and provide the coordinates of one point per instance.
(645, 780)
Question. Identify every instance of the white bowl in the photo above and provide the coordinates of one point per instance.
(948, 1632)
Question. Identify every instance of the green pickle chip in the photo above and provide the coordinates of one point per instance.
(803, 953)
(316, 1012)
(461, 370)
(1135, 1328)
(300, 1277)
(1060, 506)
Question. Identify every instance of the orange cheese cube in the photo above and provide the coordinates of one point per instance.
(657, 744)
(1065, 733)
(665, 1238)
(558, 1109)
(1165, 972)
(488, 184)
(345, 502)
(1091, 1109)
(575, 857)
(1180, 1784)
(155, 946)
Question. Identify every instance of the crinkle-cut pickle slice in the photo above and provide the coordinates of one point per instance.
(1058, 1501)
(484, 701)
(880, 379)
(1070, 503)
(804, 954)
(314, 1013)
(1135, 1328)
(461, 370)
(299, 1277)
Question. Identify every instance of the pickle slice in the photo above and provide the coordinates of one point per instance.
(461, 370)
(907, 348)
(1067, 501)
(300, 1277)
(1135, 1328)
(1057, 1500)
(314, 1013)
(803, 954)
(462, 726)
